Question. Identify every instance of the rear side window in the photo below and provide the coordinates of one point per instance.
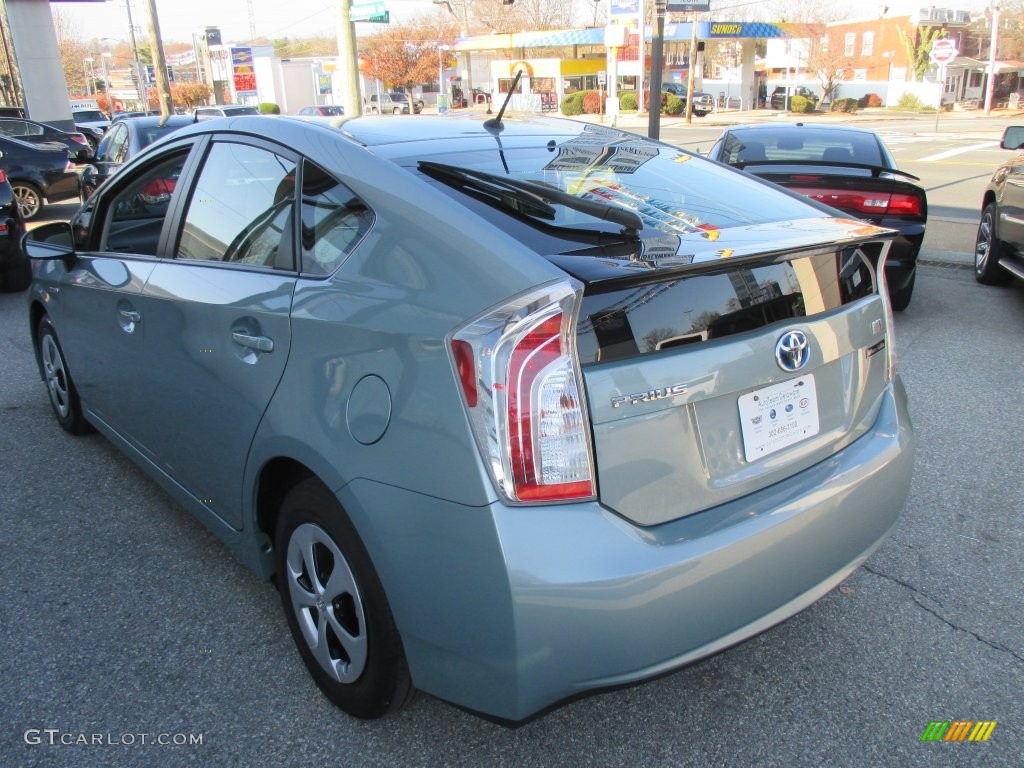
(241, 209)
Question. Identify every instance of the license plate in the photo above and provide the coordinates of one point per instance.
(778, 416)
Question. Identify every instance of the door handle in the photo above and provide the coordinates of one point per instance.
(259, 343)
(130, 315)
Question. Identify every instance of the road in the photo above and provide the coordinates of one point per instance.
(122, 616)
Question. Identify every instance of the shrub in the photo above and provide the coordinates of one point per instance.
(573, 104)
(801, 104)
(869, 100)
(269, 108)
(593, 104)
(627, 101)
(673, 105)
(910, 102)
(844, 105)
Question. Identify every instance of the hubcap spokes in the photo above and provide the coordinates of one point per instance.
(984, 245)
(327, 604)
(56, 378)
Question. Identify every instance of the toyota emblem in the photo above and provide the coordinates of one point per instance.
(792, 350)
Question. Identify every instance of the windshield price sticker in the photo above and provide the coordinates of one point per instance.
(778, 416)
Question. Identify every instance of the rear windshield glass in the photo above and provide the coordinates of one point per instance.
(671, 190)
(88, 116)
(668, 314)
(803, 145)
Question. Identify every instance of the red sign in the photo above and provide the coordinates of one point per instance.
(943, 50)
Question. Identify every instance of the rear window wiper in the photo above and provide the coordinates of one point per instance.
(532, 198)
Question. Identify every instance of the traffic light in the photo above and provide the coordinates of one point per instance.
(507, 2)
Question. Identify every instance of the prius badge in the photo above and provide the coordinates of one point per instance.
(792, 351)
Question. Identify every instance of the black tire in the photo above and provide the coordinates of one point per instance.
(987, 250)
(59, 384)
(29, 197)
(396, 111)
(347, 640)
(899, 300)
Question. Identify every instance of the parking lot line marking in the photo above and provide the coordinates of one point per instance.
(958, 151)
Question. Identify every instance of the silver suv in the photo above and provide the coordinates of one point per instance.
(392, 104)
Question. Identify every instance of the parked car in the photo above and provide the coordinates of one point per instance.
(15, 272)
(226, 110)
(41, 133)
(998, 253)
(324, 110)
(488, 416)
(392, 103)
(703, 103)
(90, 121)
(38, 174)
(779, 100)
(849, 169)
(93, 135)
(125, 139)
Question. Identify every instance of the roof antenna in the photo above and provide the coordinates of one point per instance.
(494, 124)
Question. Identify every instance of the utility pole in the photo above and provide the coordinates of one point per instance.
(156, 46)
(348, 63)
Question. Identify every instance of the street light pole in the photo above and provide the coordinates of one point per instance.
(90, 80)
(993, 45)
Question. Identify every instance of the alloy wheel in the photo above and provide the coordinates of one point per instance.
(327, 603)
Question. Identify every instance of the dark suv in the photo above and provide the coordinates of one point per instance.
(779, 96)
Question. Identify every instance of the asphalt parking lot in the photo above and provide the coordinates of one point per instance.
(123, 618)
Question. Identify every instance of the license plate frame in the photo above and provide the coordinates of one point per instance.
(777, 416)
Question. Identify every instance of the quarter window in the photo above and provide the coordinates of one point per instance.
(241, 208)
(333, 220)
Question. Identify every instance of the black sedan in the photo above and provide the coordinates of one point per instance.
(998, 254)
(125, 139)
(41, 133)
(14, 266)
(38, 174)
(849, 169)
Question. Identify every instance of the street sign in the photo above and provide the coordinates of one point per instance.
(602, 77)
(685, 6)
(367, 11)
(943, 51)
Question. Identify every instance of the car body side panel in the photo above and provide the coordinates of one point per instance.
(386, 313)
(209, 391)
(103, 348)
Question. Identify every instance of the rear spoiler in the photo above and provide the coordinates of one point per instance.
(876, 170)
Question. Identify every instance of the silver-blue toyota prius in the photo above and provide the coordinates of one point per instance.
(509, 410)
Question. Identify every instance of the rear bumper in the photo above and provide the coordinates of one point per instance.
(507, 611)
(63, 187)
(902, 260)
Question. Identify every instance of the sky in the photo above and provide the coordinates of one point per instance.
(180, 18)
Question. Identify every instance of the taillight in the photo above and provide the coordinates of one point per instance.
(79, 139)
(868, 203)
(520, 379)
(890, 322)
(3, 176)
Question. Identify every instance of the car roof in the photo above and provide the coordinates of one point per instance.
(147, 121)
(376, 131)
(778, 128)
